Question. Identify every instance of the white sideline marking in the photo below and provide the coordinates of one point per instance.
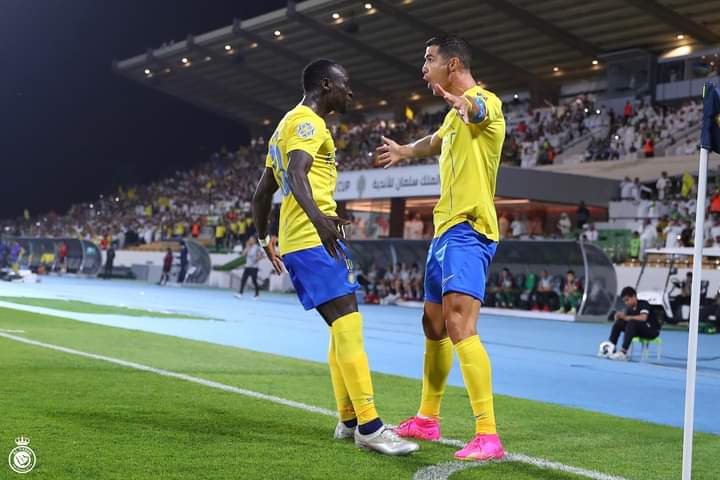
(181, 376)
(442, 471)
(432, 472)
(12, 331)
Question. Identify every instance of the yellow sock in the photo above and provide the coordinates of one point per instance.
(437, 364)
(475, 366)
(342, 398)
(353, 363)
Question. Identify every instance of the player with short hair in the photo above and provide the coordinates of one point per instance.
(469, 143)
(301, 163)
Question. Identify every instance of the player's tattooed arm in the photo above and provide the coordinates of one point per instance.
(329, 228)
(390, 152)
(261, 207)
(471, 110)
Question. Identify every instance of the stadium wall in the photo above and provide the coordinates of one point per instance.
(513, 182)
(128, 258)
(654, 277)
(646, 169)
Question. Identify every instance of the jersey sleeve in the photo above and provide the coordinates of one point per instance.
(305, 133)
(268, 161)
(644, 308)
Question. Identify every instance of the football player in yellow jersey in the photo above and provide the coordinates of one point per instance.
(466, 235)
(301, 163)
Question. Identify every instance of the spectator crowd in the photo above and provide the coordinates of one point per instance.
(642, 129)
(665, 212)
(212, 201)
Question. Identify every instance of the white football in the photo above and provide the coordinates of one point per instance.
(606, 349)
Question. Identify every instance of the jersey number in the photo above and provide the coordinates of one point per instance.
(278, 167)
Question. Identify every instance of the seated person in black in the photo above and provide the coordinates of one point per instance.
(683, 298)
(711, 313)
(638, 320)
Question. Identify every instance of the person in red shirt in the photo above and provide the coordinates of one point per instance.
(649, 148)
(715, 203)
(628, 111)
(167, 265)
(550, 155)
(62, 254)
(195, 230)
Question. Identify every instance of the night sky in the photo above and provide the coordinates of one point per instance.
(70, 128)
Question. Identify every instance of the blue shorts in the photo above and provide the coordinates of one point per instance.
(458, 261)
(318, 277)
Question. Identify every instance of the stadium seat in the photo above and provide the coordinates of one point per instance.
(646, 347)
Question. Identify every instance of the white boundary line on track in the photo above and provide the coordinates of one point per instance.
(432, 472)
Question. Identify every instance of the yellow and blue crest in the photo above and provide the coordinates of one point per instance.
(305, 130)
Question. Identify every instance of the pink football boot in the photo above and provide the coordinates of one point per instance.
(482, 447)
(420, 428)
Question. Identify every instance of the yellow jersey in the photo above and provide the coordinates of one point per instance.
(302, 129)
(469, 162)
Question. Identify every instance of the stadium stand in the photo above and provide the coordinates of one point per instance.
(190, 203)
(211, 202)
(647, 131)
(216, 194)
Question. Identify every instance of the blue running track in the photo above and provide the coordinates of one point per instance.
(542, 360)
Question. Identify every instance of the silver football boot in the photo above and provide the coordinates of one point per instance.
(342, 432)
(385, 441)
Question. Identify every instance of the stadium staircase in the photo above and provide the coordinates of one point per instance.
(574, 151)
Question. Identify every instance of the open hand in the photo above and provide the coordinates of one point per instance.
(389, 152)
(462, 104)
(272, 255)
(330, 230)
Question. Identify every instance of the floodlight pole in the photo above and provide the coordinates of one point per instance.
(694, 317)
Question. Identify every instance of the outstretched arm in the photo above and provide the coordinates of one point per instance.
(390, 152)
(471, 110)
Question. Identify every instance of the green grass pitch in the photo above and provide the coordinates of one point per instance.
(86, 307)
(89, 419)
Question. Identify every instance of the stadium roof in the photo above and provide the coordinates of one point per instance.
(249, 71)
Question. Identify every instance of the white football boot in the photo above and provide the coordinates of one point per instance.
(385, 441)
(342, 432)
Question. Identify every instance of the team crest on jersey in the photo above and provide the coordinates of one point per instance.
(305, 130)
